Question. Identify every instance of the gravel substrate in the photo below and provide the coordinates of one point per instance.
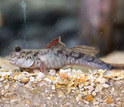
(63, 88)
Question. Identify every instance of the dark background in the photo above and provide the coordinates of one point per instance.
(48, 19)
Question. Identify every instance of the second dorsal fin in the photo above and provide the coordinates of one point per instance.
(56, 43)
(86, 49)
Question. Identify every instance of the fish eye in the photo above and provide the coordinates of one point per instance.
(17, 49)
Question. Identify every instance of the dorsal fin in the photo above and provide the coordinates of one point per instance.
(86, 49)
(56, 43)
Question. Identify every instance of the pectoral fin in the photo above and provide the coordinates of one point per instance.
(86, 49)
(56, 43)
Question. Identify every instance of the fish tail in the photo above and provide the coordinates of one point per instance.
(117, 66)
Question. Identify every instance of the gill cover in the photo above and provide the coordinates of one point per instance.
(22, 62)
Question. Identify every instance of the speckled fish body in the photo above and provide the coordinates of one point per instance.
(59, 58)
(55, 56)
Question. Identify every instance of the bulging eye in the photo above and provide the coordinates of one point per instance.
(17, 49)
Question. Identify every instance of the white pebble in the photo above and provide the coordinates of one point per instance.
(98, 88)
(31, 78)
(52, 72)
(53, 87)
(105, 85)
(48, 80)
(94, 93)
(40, 76)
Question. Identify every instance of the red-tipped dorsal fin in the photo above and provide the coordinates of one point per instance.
(56, 43)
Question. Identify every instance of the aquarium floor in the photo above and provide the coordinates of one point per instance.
(63, 88)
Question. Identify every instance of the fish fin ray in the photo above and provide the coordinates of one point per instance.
(85, 49)
(56, 43)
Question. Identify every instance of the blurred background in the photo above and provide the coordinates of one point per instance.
(34, 23)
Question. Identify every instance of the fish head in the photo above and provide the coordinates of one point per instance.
(21, 57)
